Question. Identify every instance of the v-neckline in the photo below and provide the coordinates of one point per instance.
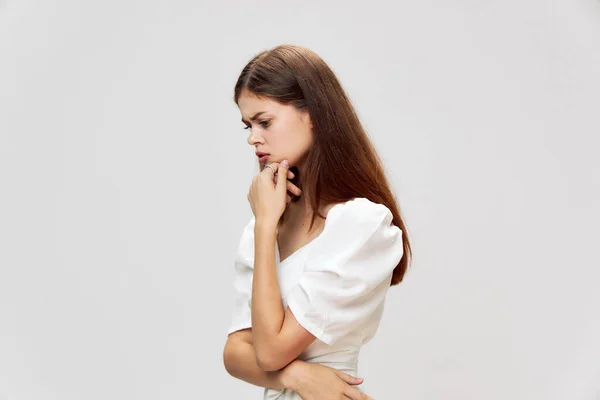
(291, 255)
(294, 253)
(306, 244)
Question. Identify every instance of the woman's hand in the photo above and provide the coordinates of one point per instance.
(313, 381)
(268, 196)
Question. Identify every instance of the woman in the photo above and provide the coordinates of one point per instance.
(326, 240)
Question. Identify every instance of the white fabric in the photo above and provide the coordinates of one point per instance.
(335, 285)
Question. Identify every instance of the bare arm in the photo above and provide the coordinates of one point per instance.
(311, 381)
(240, 362)
(278, 337)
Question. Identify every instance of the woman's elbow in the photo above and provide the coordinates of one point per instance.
(268, 365)
(229, 359)
(270, 360)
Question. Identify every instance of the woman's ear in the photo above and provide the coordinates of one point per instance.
(306, 118)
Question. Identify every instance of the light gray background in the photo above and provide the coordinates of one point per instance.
(124, 171)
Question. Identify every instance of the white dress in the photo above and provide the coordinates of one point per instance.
(335, 285)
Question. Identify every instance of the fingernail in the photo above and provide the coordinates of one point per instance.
(284, 163)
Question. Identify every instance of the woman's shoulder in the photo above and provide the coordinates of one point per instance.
(357, 210)
(357, 224)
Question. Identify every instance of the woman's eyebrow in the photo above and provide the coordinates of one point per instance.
(254, 117)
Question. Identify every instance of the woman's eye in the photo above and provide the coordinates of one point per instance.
(264, 124)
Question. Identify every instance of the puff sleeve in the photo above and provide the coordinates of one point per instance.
(348, 271)
(242, 281)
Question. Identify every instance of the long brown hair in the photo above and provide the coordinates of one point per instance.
(342, 163)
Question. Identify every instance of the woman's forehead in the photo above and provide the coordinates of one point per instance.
(251, 105)
(252, 99)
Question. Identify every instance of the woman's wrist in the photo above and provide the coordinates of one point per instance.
(264, 225)
(290, 376)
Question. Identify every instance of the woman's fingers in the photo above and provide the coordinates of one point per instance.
(352, 380)
(293, 188)
(290, 186)
(355, 394)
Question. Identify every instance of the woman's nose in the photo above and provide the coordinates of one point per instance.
(253, 139)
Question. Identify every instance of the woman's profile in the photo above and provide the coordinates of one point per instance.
(326, 240)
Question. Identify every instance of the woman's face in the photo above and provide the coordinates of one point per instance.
(282, 131)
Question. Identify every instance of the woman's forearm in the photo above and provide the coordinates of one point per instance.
(267, 307)
(240, 362)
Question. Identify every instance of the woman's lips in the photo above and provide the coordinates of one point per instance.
(263, 159)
